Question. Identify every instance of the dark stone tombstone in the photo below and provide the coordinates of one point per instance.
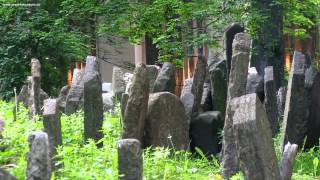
(312, 83)
(166, 124)
(236, 87)
(152, 71)
(62, 98)
(281, 100)
(230, 33)
(118, 82)
(136, 109)
(187, 98)
(52, 126)
(219, 85)
(294, 126)
(123, 105)
(255, 83)
(93, 105)
(4, 175)
(34, 98)
(270, 101)
(254, 142)
(206, 100)
(38, 158)
(205, 132)
(130, 162)
(166, 80)
(74, 100)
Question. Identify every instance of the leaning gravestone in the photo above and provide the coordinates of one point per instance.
(118, 82)
(166, 80)
(270, 100)
(166, 124)
(130, 162)
(136, 109)
(254, 139)
(219, 85)
(93, 105)
(295, 122)
(4, 175)
(236, 88)
(38, 158)
(187, 98)
(204, 132)
(34, 98)
(152, 71)
(52, 126)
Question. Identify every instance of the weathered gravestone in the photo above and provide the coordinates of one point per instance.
(38, 158)
(93, 105)
(204, 132)
(281, 100)
(62, 98)
(187, 98)
(287, 161)
(4, 175)
(295, 122)
(34, 98)
(136, 109)
(152, 71)
(77, 76)
(206, 99)
(219, 85)
(74, 99)
(130, 162)
(52, 126)
(123, 105)
(166, 124)
(166, 79)
(108, 101)
(236, 87)
(312, 85)
(254, 139)
(270, 100)
(255, 83)
(118, 82)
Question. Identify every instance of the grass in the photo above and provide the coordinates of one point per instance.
(85, 162)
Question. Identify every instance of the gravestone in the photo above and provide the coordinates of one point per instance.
(152, 71)
(205, 132)
(118, 82)
(166, 124)
(38, 158)
(287, 161)
(130, 161)
(23, 96)
(123, 105)
(74, 101)
(187, 98)
(166, 79)
(253, 136)
(270, 100)
(295, 122)
(236, 88)
(219, 85)
(281, 100)
(255, 83)
(136, 109)
(62, 98)
(206, 100)
(34, 97)
(52, 126)
(108, 101)
(312, 83)
(93, 105)
(77, 76)
(4, 175)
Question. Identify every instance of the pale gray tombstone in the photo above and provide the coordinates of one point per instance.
(166, 124)
(118, 82)
(166, 79)
(130, 161)
(34, 98)
(52, 126)
(236, 87)
(153, 72)
(295, 121)
(38, 158)
(77, 76)
(287, 161)
(253, 136)
(136, 108)
(270, 100)
(93, 103)
(187, 98)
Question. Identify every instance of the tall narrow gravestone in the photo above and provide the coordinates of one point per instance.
(236, 88)
(118, 82)
(136, 109)
(270, 100)
(52, 126)
(253, 139)
(93, 105)
(34, 99)
(130, 162)
(295, 122)
(38, 158)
